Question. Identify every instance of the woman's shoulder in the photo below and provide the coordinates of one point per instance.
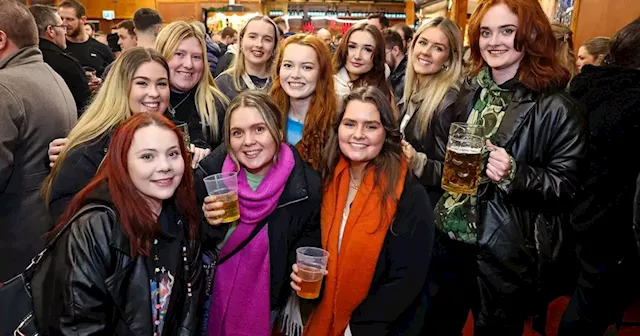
(93, 222)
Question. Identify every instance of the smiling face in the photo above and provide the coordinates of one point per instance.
(250, 140)
(360, 49)
(497, 39)
(187, 65)
(360, 134)
(258, 43)
(299, 71)
(155, 164)
(430, 52)
(149, 90)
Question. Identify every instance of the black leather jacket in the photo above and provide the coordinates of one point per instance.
(91, 286)
(397, 81)
(520, 229)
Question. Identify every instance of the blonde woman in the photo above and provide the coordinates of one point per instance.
(195, 97)
(593, 52)
(251, 68)
(138, 82)
(564, 47)
(433, 77)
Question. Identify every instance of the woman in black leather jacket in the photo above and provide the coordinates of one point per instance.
(426, 110)
(505, 240)
(127, 258)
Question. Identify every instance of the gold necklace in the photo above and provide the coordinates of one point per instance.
(352, 182)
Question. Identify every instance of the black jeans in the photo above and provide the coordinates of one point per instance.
(607, 284)
(454, 288)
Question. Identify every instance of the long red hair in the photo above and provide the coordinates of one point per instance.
(323, 105)
(539, 70)
(134, 214)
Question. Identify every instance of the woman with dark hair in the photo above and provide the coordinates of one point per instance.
(360, 61)
(603, 219)
(375, 225)
(279, 204)
(127, 261)
(303, 89)
(502, 243)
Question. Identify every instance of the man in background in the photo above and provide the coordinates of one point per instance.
(406, 33)
(228, 36)
(35, 108)
(396, 59)
(325, 36)
(126, 35)
(52, 43)
(147, 23)
(88, 28)
(378, 20)
(89, 52)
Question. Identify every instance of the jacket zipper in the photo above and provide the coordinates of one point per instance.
(293, 202)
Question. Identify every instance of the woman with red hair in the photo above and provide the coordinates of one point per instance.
(303, 89)
(501, 243)
(126, 257)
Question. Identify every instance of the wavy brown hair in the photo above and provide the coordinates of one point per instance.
(322, 107)
(539, 70)
(387, 163)
(135, 216)
(375, 76)
(564, 47)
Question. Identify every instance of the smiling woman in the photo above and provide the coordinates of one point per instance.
(138, 83)
(274, 186)
(139, 208)
(195, 97)
(252, 65)
(303, 88)
(360, 60)
(534, 138)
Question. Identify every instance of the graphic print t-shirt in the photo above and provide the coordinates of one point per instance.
(169, 251)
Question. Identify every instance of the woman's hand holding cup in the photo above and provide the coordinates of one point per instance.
(213, 210)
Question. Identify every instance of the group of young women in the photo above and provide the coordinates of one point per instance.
(323, 160)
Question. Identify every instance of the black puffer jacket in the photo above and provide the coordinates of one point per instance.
(91, 286)
(294, 223)
(519, 230)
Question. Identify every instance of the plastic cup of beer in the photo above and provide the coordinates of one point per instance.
(311, 262)
(461, 173)
(224, 186)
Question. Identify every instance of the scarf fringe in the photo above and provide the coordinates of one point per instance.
(291, 320)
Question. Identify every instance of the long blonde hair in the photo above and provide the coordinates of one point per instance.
(237, 69)
(109, 108)
(564, 47)
(438, 84)
(167, 43)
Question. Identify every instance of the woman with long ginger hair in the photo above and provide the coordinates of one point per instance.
(502, 244)
(303, 89)
(127, 258)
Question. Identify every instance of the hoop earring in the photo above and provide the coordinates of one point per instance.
(445, 67)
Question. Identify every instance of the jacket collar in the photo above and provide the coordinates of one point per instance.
(518, 109)
(296, 188)
(400, 69)
(45, 44)
(96, 150)
(26, 55)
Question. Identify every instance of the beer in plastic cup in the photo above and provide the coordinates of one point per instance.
(224, 186)
(311, 262)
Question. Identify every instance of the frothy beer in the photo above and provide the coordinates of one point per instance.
(461, 172)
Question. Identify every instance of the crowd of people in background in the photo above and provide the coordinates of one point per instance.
(338, 142)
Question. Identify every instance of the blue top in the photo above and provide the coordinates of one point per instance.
(294, 131)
